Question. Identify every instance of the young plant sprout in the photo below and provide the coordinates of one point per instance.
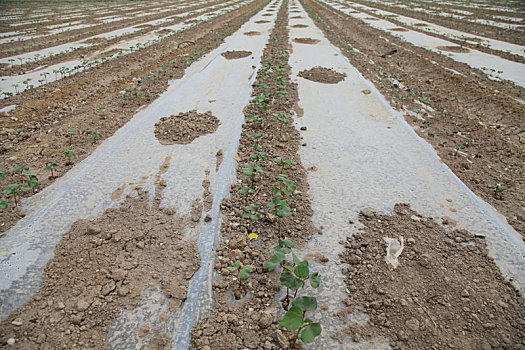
(70, 134)
(95, 135)
(280, 161)
(258, 156)
(50, 167)
(287, 190)
(251, 212)
(15, 190)
(252, 171)
(257, 137)
(295, 318)
(69, 153)
(283, 118)
(243, 274)
(280, 208)
(246, 191)
(258, 120)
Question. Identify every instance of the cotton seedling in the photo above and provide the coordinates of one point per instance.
(243, 272)
(252, 171)
(258, 156)
(258, 120)
(70, 134)
(69, 153)
(295, 319)
(15, 190)
(50, 167)
(288, 188)
(246, 191)
(282, 162)
(280, 208)
(283, 118)
(95, 135)
(251, 212)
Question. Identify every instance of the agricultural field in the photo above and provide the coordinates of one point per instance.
(262, 174)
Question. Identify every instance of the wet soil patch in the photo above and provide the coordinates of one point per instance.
(231, 55)
(299, 26)
(185, 127)
(399, 30)
(306, 41)
(252, 33)
(446, 289)
(101, 266)
(457, 49)
(322, 75)
(262, 21)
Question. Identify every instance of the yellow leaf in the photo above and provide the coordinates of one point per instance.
(237, 157)
(253, 236)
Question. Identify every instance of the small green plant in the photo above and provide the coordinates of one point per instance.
(282, 93)
(244, 272)
(246, 191)
(288, 188)
(261, 102)
(280, 208)
(252, 171)
(258, 120)
(283, 118)
(15, 190)
(294, 277)
(95, 135)
(282, 162)
(498, 190)
(251, 212)
(257, 137)
(70, 134)
(51, 166)
(258, 156)
(425, 100)
(69, 153)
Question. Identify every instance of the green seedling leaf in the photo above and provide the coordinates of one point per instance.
(3, 203)
(245, 272)
(310, 332)
(18, 169)
(275, 260)
(425, 100)
(293, 319)
(315, 281)
(302, 270)
(3, 176)
(235, 266)
(305, 303)
(288, 280)
(296, 260)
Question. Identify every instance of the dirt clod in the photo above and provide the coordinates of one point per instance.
(185, 127)
(322, 75)
(231, 55)
(306, 41)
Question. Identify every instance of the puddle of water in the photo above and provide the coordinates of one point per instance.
(490, 64)
(129, 156)
(376, 160)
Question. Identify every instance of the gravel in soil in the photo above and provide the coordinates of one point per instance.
(94, 104)
(445, 293)
(322, 75)
(232, 55)
(102, 266)
(474, 123)
(185, 127)
(246, 316)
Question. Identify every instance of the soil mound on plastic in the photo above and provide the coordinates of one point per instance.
(296, 17)
(457, 49)
(232, 55)
(262, 21)
(185, 127)
(446, 289)
(252, 33)
(421, 25)
(322, 75)
(299, 26)
(306, 41)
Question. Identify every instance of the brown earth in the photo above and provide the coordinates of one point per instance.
(399, 30)
(36, 133)
(306, 41)
(322, 75)
(457, 49)
(251, 322)
(185, 127)
(299, 26)
(252, 33)
(474, 123)
(446, 293)
(232, 55)
(101, 266)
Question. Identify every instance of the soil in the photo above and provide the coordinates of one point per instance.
(306, 41)
(399, 30)
(474, 123)
(185, 127)
(252, 33)
(299, 26)
(322, 75)
(445, 293)
(232, 55)
(36, 133)
(101, 266)
(262, 21)
(246, 316)
(457, 49)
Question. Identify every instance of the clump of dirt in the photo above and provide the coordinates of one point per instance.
(101, 266)
(262, 21)
(446, 289)
(306, 41)
(185, 127)
(95, 41)
(232, 55)
(299, 26)
(252, 33)
(421, 25)
(296, 17)
(458, 49)
(268, 14)
(322, 75)
(164, 32)
(399, 29)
